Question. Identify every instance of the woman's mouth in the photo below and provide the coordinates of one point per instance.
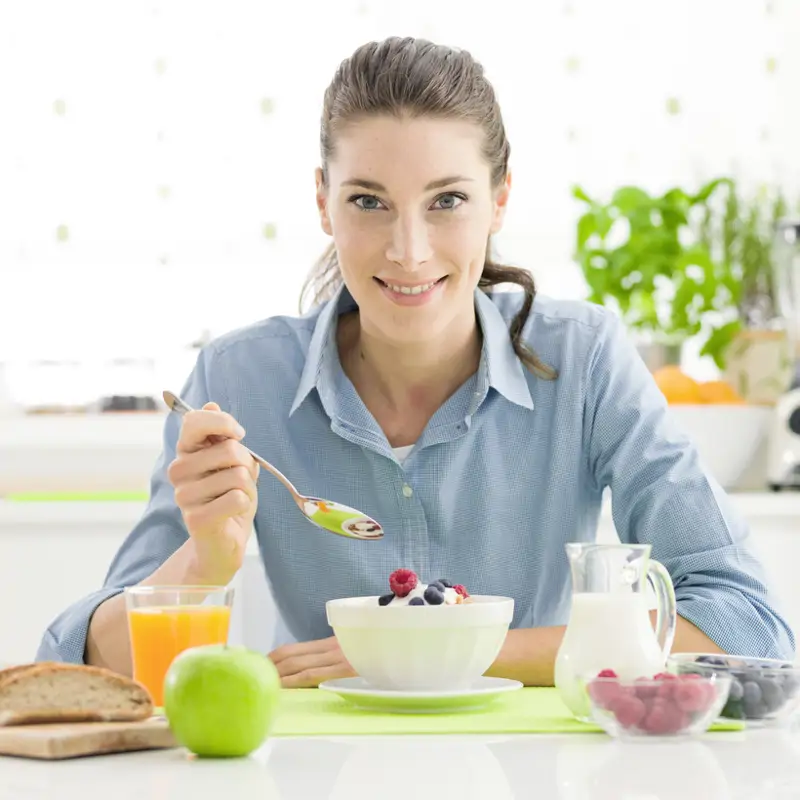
(418, 294)
(410, 291)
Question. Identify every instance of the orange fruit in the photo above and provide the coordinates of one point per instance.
(677, 386)
(720, 392)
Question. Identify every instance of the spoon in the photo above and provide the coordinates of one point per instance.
(325, 514)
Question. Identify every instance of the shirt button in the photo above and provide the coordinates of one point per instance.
(407, 490)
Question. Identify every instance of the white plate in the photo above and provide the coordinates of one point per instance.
(358, 692)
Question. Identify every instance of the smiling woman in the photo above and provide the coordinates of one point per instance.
(480, 429)
(433, 233)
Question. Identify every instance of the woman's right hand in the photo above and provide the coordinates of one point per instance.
(215, 488)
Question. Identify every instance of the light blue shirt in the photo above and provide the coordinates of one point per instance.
(507, 471)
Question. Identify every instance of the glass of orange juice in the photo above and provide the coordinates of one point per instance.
(163, 621)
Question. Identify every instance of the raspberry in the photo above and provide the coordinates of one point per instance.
(402, 581)
(606, 673)
(645, 689)
(691, 696)
(628, 710)
(461, 590)
(668, 682)
(604, 690)
(663, 718)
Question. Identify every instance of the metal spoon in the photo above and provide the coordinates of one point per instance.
(325, 514)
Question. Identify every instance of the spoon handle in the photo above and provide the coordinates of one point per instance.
(181, 407)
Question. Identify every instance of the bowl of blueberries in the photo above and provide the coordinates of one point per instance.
(763, 691)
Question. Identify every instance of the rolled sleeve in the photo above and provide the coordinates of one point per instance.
(662, 495)
(157, 535)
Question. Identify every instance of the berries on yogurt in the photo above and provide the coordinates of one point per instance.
(407, 589)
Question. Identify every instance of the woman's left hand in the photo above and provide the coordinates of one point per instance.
(306, 664)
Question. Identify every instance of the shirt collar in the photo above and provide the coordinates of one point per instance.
(499, 368)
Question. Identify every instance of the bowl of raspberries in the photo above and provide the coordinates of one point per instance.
(664, 705)
(421, 636)
(764, 692)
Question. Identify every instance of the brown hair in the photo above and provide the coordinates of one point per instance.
(407, 76)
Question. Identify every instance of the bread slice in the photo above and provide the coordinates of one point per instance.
(54, 692)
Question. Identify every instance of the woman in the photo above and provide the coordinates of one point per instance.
(479, 428)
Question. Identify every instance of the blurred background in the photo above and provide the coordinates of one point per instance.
(157, 189)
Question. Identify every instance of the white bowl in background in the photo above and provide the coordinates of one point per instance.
(727, 437)
(420, 648)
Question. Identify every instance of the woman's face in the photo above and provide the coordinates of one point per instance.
(410, 206)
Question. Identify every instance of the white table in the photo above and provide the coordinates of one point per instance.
(721, 766)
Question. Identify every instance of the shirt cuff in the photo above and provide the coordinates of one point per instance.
(65, 639)
(737, 624)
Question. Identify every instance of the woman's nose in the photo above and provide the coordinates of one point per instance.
(410, 245)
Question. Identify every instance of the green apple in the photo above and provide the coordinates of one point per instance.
(221, 701)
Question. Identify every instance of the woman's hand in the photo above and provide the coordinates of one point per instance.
(307, 664)
(215, 488)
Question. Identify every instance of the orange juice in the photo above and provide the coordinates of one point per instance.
(159, 633)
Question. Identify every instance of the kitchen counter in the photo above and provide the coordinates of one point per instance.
(765, 506)
(719, 766)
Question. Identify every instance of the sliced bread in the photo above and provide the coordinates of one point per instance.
(54, 692)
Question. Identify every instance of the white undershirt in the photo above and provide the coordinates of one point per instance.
(401, 453)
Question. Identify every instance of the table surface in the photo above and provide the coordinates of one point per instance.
(752, 764)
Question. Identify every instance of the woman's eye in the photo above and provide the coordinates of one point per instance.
(449, 201)
(366, 202)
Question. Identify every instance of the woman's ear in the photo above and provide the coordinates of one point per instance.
(322, 202)
(501, 203)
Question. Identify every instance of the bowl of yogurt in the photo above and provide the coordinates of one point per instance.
(433, 636)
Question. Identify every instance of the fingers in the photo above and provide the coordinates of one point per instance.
(209, 423)
(288, 651)
(191, 466)
(306, 665)
(205, 490)
(312, 678)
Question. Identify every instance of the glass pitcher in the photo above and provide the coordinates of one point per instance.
(609, 625)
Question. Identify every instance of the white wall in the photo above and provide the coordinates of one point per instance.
(148, 147)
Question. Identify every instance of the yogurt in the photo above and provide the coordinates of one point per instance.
(451, 596)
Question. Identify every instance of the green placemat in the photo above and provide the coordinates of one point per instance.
(313, 712)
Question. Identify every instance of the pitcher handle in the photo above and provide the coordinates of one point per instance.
(666, 614)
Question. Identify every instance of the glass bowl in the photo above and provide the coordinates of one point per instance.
(664, 706)
(763, 691)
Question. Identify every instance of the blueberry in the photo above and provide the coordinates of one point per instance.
(434, 595)
(772, 694)
(712, 661)
(737, 692)
(447, 584)
(416, 601)
(438, 584)
(385, 599)
(790, 685)
(752, 700)
(752, 692)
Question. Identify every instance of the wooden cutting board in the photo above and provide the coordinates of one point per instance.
(70, 740)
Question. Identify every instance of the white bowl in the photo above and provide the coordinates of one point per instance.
(727, 437)
(420, 648)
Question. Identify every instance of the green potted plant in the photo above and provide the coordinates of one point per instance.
(645, 256)
(682, 264)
